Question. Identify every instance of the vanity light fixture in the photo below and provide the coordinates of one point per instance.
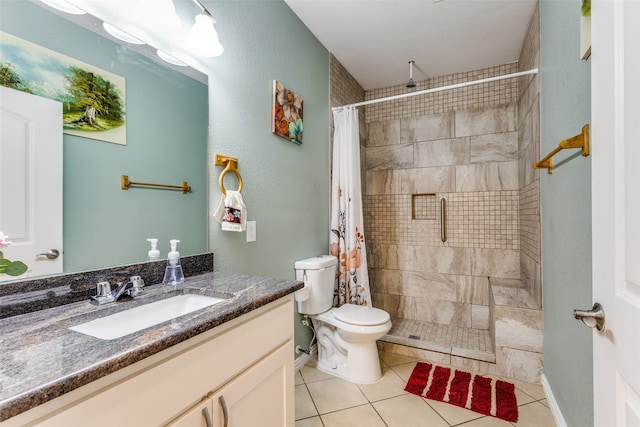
(158, 14)
(204, 38)
(170, 59)
(64, 6)
(121, 35)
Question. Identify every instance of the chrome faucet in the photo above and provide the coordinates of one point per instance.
(104, 294)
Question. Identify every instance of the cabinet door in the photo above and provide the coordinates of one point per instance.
(260, 396)
(198, 416)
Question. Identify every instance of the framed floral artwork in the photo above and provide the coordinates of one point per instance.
(287, 113)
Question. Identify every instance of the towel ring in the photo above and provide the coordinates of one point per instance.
(227, 169)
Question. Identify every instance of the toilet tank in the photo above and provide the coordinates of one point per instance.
(319, 275)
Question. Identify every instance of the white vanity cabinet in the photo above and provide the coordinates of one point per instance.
(198, 416)
(247, 361)
(254, 398)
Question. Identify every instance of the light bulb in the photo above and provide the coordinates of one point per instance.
(64, 6)
(121, 35)
(204, 38)
(170, 59)
(158, 14)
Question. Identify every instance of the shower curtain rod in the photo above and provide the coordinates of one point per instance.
(439, 89)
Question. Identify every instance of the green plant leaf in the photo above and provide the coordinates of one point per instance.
(15, 268)
(1, 255)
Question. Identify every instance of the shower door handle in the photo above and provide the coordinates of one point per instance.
(443, 220)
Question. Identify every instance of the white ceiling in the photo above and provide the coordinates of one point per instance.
(375, 39)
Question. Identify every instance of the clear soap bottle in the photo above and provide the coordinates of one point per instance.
(173, 275)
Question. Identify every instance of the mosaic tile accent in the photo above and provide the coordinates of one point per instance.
(487, 220)
(530, 53)
(423, 206)
(344, 89)
(530, 220)
(482, 95)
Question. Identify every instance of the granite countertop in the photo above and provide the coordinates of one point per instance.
(42, 359)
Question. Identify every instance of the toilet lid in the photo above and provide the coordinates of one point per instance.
(361, 315)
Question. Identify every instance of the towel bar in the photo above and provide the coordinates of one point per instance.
(579, 141)
(231, 165)
(125, 184)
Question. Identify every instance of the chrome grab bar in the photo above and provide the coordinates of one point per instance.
(443, 225)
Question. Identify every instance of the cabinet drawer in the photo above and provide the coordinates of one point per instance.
(155, 394)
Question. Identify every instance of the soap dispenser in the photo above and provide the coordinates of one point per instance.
(173, 273)
(154, 253)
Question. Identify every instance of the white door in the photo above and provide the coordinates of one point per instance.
(31, 180)
(615, 159)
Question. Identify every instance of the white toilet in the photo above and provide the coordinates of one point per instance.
(346, 335)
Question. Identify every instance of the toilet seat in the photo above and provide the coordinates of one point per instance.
(361, 315)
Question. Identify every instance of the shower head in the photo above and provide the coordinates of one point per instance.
(410, 83)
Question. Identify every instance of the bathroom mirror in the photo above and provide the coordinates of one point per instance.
(166, 143)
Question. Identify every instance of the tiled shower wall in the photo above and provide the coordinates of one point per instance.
(482, 95)
(472, 147)
(529, 149)
(469, 157)
(344, 90)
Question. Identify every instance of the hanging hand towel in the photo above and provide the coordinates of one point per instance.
(231, 212)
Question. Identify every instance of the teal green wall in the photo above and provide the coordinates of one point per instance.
(286, 186)
(166, 143)
(566, 212)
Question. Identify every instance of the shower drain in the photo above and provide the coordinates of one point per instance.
(414, 337)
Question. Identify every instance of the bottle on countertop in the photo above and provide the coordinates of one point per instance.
(173, 273)
(154, 253)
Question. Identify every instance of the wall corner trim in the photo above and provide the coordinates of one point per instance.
(553, 404)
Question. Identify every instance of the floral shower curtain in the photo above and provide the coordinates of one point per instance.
(347, 238)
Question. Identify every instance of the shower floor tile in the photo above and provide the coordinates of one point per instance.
(449, 339)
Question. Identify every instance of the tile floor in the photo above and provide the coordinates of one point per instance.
(323, 400)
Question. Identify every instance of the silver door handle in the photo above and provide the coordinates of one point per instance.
(207, 417)
(225, 411)
(593, 318)
(51, 254)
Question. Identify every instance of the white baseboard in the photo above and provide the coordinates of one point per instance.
(555, 409)
(302, 360)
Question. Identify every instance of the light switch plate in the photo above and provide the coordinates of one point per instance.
(251, 231)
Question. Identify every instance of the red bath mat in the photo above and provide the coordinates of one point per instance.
(484, 395)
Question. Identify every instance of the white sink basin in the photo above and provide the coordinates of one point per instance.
(129, 321)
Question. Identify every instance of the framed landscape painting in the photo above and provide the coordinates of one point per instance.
(93, 99)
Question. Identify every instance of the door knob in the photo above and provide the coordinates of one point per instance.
(51, 254)
(593, 318)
